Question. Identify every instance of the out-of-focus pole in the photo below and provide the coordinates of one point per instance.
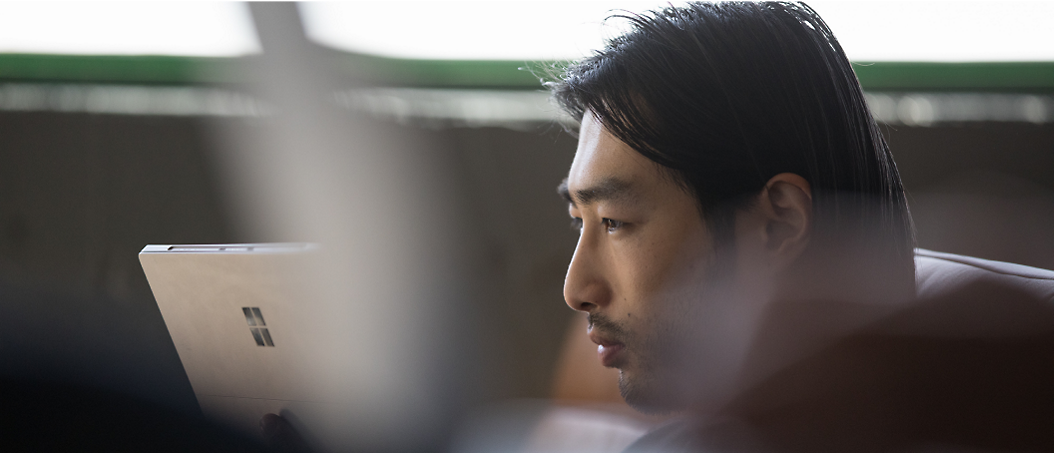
(388, 274)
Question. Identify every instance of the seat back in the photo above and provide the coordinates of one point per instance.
(940, 273)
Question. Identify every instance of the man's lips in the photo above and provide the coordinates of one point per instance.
(609, 350)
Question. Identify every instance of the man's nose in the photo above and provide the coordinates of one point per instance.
(585, 287)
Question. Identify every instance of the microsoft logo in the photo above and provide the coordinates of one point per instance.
(257, 326)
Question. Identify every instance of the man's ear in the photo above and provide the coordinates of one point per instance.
(786, 203)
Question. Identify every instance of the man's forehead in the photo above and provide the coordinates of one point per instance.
(596, 173)
(601, 157)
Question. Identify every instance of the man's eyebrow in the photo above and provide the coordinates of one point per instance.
(608, 189)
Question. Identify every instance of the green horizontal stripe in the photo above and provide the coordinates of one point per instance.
(167, 70)
(447, 73)
(164, 70)
(892, 76)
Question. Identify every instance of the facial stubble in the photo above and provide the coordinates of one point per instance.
(654, 378)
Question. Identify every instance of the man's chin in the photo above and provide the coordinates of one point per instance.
(650, 396)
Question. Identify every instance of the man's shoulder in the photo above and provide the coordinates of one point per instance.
(696, 435)
(677, 435)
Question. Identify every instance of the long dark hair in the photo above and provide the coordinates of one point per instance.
(728, 95)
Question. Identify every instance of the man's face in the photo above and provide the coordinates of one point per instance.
(643, 270)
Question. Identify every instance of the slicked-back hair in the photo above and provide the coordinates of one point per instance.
(728, 95)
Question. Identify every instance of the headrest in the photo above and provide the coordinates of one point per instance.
(939, 274)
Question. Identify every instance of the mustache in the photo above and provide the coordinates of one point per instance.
(605, 325)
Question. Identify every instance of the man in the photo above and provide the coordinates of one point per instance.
(740, 215)
(716, 143)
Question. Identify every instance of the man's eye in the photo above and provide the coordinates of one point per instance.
(612, 225)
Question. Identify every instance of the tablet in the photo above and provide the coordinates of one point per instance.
(251, 338)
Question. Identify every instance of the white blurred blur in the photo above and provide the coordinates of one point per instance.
(391, 272)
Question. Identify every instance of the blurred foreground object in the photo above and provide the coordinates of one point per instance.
(389, 270)
(50, 417)
(965, 366)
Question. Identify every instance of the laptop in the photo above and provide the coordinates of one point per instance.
(252, 338)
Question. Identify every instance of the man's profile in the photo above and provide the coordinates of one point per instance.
(718, 141)
(740, 215)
